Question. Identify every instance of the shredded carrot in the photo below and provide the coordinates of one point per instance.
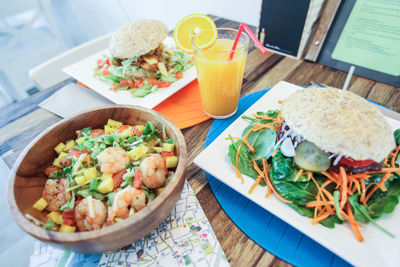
(321, 217)
(329, 176)
(384, 179)
(344, 187)
(385, 162)
(265, 117)
(317, 203)
(353, 223)
(238, 173)
(268, 191)
(244, 140)
(309, 175)
(299, 173)
(385, 170)
(394, 157)
(269, 183)
(255, 184)
(363, 191)
(274, 153)
(256, 168)
(280, 102)
(328, 194)
(234, 138)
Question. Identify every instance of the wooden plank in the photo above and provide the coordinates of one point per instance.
(325, 21)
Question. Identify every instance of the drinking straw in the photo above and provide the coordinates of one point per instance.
(124, 10)
(242, 27)
(347, 82)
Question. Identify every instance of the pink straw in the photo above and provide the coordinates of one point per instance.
(252, 36)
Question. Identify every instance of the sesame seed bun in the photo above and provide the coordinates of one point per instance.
(352, 127)
(137, 38)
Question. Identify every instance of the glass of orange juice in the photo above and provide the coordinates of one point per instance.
(220, 79)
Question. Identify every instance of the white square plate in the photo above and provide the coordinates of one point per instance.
(83, 72)
(378, 249)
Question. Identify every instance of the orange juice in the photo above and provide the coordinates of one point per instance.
(220, 79)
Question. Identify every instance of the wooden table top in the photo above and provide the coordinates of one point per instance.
(22, 121)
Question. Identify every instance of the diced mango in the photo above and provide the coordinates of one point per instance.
(80, 140)
(68, 145)
(56, 217)
(128, 132)
(108, 129)
(90, 173)
(56, 162)
(106, 176)
(168, 147)
(138, 152)
(59, 148)
(114, 123)
(80, 180)
(41, 204)
(67, 229)
(140, 128)
(106, 186)
(158, 149)
(171, 162)
(159, 190)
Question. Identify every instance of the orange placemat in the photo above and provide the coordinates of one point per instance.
(184, 107)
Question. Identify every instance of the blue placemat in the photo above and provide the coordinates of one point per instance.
(268, 231)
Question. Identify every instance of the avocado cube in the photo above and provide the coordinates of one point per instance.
(59, 148)
(56, 217)
(113, 123)
(67, 229)
(140, 128)
(168, 147)
(41, 204)
(171, 162)
(106, 186)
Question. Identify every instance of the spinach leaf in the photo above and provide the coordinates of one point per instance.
(110, 198)
(245, 164)
(263, 142)
(362, 214)
(397, 136)
(384, 202)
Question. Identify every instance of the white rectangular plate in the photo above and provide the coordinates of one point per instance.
(83, 72)
(378, 249)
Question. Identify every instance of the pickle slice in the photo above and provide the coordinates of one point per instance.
(311, 158)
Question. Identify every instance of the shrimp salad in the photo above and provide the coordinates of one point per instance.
(105, 175)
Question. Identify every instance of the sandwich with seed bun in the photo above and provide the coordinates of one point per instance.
(140, 60)
(350, 129)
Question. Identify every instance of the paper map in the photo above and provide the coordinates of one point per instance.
(185, 238)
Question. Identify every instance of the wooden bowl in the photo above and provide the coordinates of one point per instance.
(27, 181)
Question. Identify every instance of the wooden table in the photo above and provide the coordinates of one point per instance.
(21, 122)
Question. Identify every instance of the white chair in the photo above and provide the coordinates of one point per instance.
(50, 72)
(28, 36)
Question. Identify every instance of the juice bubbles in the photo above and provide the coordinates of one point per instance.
(220, 79)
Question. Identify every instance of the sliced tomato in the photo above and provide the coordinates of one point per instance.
(77, 153)
(179, 75)
(136, 131)
(137, 181)
(139, 83)
(152, 80)
(108, 61)
(166, 154)
(123, 83)
(68, 217)
(163, 84)
(100, 63)
(131, 83)
(51, 169)
(105, 72)
(355, 163)
(117, 178)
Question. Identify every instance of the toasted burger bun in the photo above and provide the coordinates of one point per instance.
(352, 127)
(137, 38)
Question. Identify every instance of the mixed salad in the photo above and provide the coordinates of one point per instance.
(337, 190)
(105, 175)
(145, 74)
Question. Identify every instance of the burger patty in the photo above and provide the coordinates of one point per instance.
(374, 166)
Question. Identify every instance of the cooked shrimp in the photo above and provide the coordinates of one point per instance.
(127, 198)
(96, 133)
(113, 160)
(123, 128)
(153, 171)
(90, 214)
(55, 195)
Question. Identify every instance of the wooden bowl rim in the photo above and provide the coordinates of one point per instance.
(57, 237)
